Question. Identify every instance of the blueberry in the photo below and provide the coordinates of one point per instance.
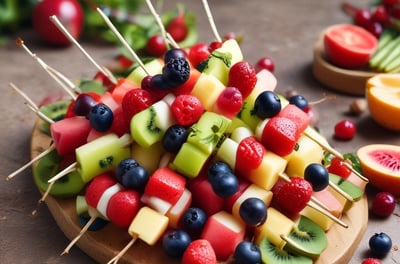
(247, 253)
(83, 104)
(225, 184)
(174, 138)
(176, 71)
(317, 175)
(98, 223)
(131, 175)
(380, 244)
(216, 168)
(253, 211)
(173, 54)
(158, 81)
(175, 243)
(267, 104)
(299, 101)
(101, 117)
(194, 218)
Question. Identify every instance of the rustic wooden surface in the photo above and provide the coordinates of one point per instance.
(284, 30)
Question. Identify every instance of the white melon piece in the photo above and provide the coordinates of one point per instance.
(156, 203)
(105, 198)
(241, 133)
(227, 152)
(176, 212)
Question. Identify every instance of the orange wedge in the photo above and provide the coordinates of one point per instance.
(383, 97)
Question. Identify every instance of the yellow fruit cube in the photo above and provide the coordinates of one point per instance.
(207, 89)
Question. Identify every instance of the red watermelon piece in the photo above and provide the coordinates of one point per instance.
(69, 134)
(123, 207)
(97, 187)
(298, 116)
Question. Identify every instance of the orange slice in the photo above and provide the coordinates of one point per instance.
(383, 97)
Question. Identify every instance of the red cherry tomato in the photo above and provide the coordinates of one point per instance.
(69, 12)
(349, 46)
(156, 46)
(345, 130)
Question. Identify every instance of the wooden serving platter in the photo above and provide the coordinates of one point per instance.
(104, 244)
(342, 80)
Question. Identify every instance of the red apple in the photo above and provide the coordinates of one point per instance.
(69, 12)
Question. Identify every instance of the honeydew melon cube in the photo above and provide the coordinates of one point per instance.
(190, 160)
(267, 174)
(100, 155)
(236, 122)
(148, 157)
(207, 132)
(148, 225)
(153, 67)
(277, 224)
(233, 47)
(207, 89)
(252, 191)
(241, 133)
(227, 152)
(307, 152)
(247, 113)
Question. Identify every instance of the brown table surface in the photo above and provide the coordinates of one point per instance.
(283, 30)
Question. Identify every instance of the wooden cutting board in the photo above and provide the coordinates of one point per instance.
(104, 244)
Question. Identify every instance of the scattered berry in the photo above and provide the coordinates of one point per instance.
(371, 261)
(199, 251)
(380, 244)
(187, 109)
(265, 63)
(243, 76)
(345, 130)
(383, 204)
(299, 101)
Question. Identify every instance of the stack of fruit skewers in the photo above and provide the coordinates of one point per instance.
(308, 137)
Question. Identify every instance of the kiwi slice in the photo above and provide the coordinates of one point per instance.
(55, 111)
(348, 187)
(273, 254)
(48, 166)
(144, 129)
(307, 238)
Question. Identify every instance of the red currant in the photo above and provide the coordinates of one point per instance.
(265, 63)
(156, 46)
(383, 204)
(229, 102)
(345, 130)
(362, 17)
(380, 15)
(214, 45)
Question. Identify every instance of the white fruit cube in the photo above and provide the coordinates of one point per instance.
(176, 211)
(148, 225)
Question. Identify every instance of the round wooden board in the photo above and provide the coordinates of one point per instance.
(105, 244)
(343, 80)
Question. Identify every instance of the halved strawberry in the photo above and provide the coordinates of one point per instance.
(249, 155)
(293, 196)
(242, 75)
(199, 251)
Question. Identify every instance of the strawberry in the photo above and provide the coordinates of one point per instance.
(96, 188)
(199, 251)
(249, 154)
(293, 196)
(187, 109)
(338, 167)
(135, 101)
(242, 75)
(119, 126)
(371, 261)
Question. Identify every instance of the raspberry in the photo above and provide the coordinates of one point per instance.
(199, 252)
(298, 190)
(135, 101)
(371, 261)
(229, 102)
(187, 109)
(242, 75)
(383, 204)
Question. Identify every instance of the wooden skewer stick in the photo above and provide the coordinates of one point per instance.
(64, 172)
(123, 251)
(159, 22)
(61, 27)
(335, 153)
(317, 205)
(172, 41)
(94, 214)
(211, 21)
(123, 41)
(67, 85)
(31, 104)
